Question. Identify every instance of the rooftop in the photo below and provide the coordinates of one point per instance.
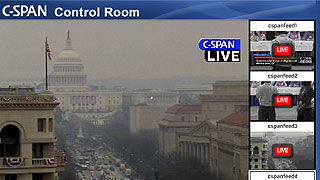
(258, 140)
(20, 96)
(16, 90)
(185, 108)
(237, 119)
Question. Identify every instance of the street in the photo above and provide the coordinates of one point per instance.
(93, 161)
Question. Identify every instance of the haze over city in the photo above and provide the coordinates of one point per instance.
(115, 88)
(118, 49)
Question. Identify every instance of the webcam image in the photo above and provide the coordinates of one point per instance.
(282, 150)
(282, 50)
(166, 90)
(122, 100)
(282, 100)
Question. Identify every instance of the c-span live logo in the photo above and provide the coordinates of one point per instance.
(220, 50)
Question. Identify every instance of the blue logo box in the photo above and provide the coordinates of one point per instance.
(219, 44)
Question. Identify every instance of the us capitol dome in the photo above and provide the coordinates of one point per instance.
(68, 82)
(68, 70)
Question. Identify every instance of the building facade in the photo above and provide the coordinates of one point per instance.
(229, 143)
(153, 97)
(221, 145)
(27, 140)
(225, 98)
(178, 118)
(259, 153)
(82, 101)
(143, 117)
(220, 140)
(147, 107)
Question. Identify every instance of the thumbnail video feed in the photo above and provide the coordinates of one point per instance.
(282, 151)
(282, 100)
(282, 50)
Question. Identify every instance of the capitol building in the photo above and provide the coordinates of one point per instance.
(68, 81)
(68, 70)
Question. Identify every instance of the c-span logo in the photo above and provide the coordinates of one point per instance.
(220, 50)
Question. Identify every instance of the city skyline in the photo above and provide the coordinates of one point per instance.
(155, 49)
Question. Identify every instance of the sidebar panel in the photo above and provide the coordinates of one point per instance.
(282, 105)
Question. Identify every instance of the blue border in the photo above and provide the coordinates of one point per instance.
(190, 9)
(187, 9)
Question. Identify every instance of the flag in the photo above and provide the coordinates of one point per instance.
(48, 51)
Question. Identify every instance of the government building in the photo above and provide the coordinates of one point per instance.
(215, 134)
(178, 118)
(69, 83)
(27, 140)
(148, 108)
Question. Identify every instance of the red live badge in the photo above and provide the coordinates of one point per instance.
(282, 100)
(282, 50)
(282, 150)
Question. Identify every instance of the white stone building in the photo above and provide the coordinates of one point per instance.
(178, 118)
(144, 117)
(68, 81)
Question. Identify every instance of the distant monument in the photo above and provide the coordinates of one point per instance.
(80, 133)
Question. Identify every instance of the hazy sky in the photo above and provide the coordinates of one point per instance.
(120, 48)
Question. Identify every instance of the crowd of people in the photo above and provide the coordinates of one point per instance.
(255, 84)
(271, 35)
